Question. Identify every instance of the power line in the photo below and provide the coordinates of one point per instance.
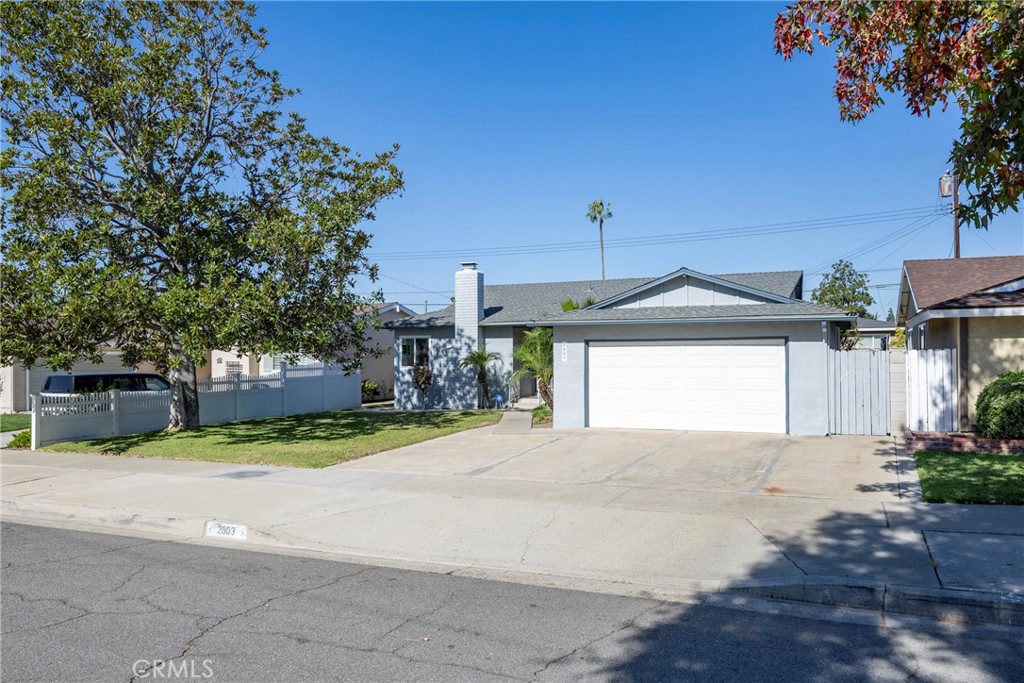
(877, 243)
(670, 238)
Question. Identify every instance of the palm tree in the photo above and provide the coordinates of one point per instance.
(480, 359)
(597, 212)
(571, 304)
(536, 356)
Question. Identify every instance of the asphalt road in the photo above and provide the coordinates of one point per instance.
(92, 607)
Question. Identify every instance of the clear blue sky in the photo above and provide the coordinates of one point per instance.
(513, 117)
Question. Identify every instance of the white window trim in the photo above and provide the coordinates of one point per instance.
(413, 339)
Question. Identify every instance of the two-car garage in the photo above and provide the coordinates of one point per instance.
(711, 385)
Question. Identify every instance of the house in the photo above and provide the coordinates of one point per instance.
(874, 334)
(376, 369)
(735, 352)
(18, 382)
(972, 305)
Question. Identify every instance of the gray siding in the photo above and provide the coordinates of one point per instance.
(688, 291)
(805, 354)
(453, 388)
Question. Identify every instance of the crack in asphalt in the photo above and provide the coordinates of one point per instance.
(203, 631)
(631, 623)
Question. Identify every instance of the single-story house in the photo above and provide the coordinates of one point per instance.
(18, 382)
(689, 351)
(874, 334)
(973, 305)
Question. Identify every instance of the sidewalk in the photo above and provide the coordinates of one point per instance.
(668, 543)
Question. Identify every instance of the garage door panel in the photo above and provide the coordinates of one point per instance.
(707, 385)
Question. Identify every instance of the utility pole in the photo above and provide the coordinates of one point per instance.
(949, 185)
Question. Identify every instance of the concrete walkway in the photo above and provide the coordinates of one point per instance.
(660, 513)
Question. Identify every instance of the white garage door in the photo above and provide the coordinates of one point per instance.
(734, 386)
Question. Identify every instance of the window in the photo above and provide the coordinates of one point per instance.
(415, 351)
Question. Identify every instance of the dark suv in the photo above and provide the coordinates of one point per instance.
(104, 381)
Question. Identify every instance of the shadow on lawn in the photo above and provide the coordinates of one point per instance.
(295, 429)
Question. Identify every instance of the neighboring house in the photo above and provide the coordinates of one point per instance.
(17, 382)
(738, 352)
(973, 305)
(377, 369)
(874, 334)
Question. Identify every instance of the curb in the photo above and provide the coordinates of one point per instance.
(867, 598)
(949, 606)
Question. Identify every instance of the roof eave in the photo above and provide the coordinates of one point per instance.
(676, 321)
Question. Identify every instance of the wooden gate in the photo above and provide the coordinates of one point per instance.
(932, 390)
(858, 392)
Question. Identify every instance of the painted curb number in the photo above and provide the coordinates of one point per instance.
(222, 530)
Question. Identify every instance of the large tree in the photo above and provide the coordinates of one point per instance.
(844, 288)
(157, 197)
(934, 52)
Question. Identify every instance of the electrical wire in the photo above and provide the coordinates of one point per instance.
(670, 238)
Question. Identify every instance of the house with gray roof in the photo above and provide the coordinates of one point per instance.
(687, 350)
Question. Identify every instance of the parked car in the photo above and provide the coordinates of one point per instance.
(90, 383)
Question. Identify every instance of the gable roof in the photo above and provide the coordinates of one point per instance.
(713, 279)
(530, 302)
(937, 281)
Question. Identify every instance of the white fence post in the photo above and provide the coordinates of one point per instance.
(284, 388)
(238, 394)
(36, 414)
(115, 411)
(323, 387)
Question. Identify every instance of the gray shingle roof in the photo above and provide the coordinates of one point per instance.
(797, 308)
(781, 282)
(530, 301)
(527, 302)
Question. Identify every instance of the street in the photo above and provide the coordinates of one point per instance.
(93, 607)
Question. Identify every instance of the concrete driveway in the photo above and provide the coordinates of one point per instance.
(777, 465)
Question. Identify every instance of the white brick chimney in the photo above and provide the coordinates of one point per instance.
(469, 304)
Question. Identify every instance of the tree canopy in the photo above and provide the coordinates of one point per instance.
(157, 197)
(844, 288)
(970, 53)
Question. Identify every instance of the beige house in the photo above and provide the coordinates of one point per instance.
(379, 370)
(17, 382)
(973, 305)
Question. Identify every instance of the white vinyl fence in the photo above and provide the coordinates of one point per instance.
(293, 391)
(932, 390)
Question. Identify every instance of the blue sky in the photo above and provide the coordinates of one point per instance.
(513, 117)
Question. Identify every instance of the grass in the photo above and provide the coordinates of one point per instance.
(12, 421)
(985, 478)
(542, 416)
(311, 440)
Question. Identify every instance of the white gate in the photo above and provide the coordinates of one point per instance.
(932, 390)
(858, 384)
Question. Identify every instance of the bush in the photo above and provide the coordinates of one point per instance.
(1000, 407)
(21, 440)
(369, 389)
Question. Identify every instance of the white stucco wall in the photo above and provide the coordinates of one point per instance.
(805, 359)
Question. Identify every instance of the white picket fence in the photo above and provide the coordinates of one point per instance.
(932, 390)
(293, 391)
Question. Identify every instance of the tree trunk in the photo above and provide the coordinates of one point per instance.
(600, 232)
(482, 378)
(184, 396)
(545, 393)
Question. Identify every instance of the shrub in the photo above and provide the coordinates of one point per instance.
(21, 440)
(1000, 407)
(369, 389)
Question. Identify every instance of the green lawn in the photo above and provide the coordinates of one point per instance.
(985, 478)
(8, 423)
(312, 440)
